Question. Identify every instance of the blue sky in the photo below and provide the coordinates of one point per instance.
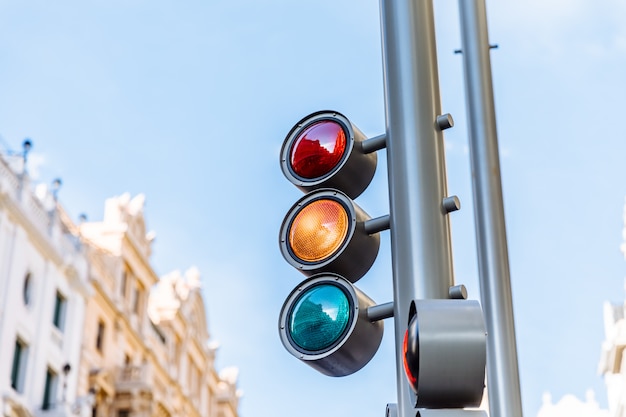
(189, 102)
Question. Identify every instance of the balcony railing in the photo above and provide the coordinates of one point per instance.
(132, 378)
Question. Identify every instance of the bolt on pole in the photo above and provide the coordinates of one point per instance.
(420, 229)
(493, 261)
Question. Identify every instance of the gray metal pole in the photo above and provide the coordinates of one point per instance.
(420, 228)
(493, 260)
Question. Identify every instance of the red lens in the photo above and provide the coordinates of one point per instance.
(318, 149)
(409, 374)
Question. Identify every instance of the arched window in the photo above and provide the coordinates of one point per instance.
(27, 289)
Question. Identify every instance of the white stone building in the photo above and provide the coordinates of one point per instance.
(87, 328)
(146, 350)
(570, 406)
(612, 366)
(43, 292)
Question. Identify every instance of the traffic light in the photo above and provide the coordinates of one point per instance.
(325, 150)
(445, 353)
(330, 239)
(324, 323)
(324, 232)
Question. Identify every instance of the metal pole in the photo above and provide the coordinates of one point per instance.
(420, 229)
(493, 261)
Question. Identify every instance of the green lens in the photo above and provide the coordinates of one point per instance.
(320, 317)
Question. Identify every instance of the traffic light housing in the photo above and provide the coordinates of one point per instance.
(324, 320)
(445, 353)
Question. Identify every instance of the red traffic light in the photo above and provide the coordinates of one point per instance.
(324, 150)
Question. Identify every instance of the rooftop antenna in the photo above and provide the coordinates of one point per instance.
(26, 146)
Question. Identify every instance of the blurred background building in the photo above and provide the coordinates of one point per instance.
(87, 327)
(612, 367)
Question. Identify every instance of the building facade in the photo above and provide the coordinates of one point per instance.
(612, 367)
(612, 362)
(87, 328)
(43, 294)
(145, 350)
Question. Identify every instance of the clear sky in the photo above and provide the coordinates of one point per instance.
(189, 102)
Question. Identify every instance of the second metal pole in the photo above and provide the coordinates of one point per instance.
(493, 261)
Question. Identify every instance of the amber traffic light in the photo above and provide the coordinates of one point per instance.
(324, 232)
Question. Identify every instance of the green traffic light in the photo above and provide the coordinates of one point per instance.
(320, 317)
(324, 323)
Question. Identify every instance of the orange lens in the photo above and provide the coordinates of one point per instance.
(318, 230)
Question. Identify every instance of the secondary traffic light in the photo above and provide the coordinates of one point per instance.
(445, 353)
(330, 239)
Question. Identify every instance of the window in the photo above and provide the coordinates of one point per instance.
(159, 333)
(136, 300)
(50, 389)
(124, 412)
(124, 283)
(100, 336)
(18, 370)
(27, 289)
(193, 377)
(59, 311)
(176, 353)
